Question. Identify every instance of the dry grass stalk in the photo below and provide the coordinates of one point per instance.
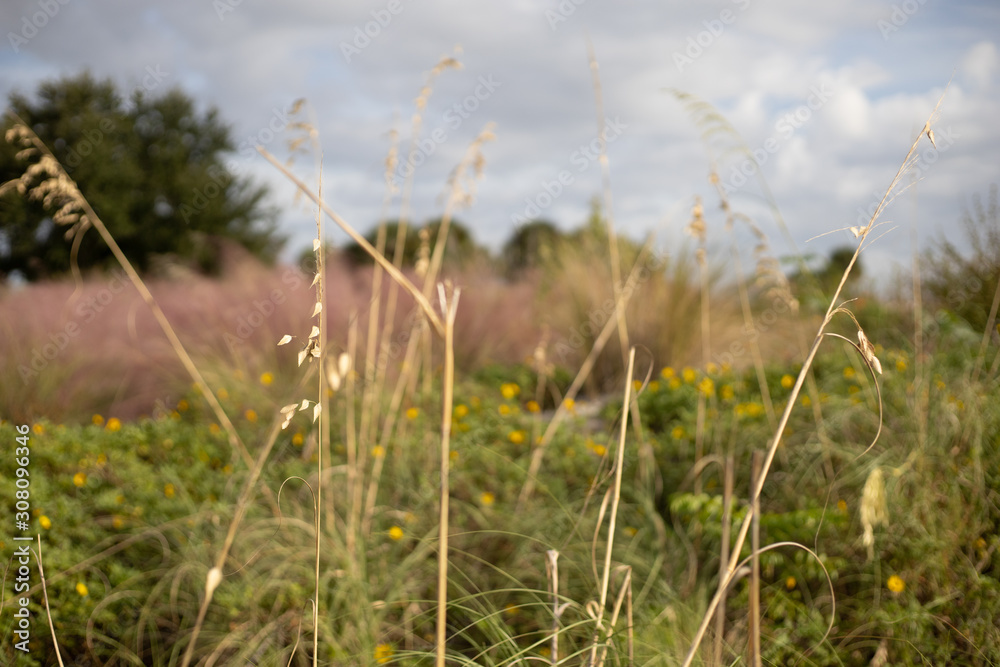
(552, 573)
(755, 566)
(420, 104)
(45, 597)
(616, 272)
(727, 518)
(797, 388)
(615, 492)
(449, 306)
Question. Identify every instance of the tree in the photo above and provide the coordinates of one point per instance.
(153, 168)
(531, 246)
(460, 249)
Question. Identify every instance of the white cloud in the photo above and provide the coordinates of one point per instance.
(980, 64)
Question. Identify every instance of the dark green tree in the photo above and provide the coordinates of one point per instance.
(531, 246)
(153, 168)
(460, 249)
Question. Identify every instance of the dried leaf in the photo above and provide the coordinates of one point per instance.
(285, 340)
(302, 356)
(305, 404)
(318, 309)
(315, 245)
(317, 409)
(292, 407)
(315, 332)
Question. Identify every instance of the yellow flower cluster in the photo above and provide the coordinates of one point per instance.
(600, 450)
(751, 409)
(510, 390)
(383, 653)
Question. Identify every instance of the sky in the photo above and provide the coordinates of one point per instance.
(828, 96)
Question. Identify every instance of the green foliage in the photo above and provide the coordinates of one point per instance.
(153, 168)
(460, 250)
(532, 245)
(963, 282)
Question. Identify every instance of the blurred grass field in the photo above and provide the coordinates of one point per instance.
(885, 492)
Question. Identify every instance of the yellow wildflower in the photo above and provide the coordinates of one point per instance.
(533, 406)
(97, 420)
(266, 378)
(38, 429)
(689, 374)
(790, 583)
(706, 386)
(849, 372)
(503, 409)
(412, 413)
(117, 522)
(45, 522)
(516, 437)
(726, 392)
(509, 390)
(667, 372)
(223, 394)
(214, 429)
(677, 433)
(487, 498)
(81, 589)
(654, 386)
(169, 490)
(711, 368)
(378, 451)
(297, 439)
(674, 383)
(396, 533)
(787, 381)
(79, 479)
(183, 405)
(896, 584)
(251, 415)
(460, 410)
(570, 405)
(600, 450)
(383, 653)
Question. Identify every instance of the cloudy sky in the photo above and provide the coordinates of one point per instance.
(829, 96)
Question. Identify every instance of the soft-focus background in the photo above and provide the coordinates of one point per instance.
(879, 68)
